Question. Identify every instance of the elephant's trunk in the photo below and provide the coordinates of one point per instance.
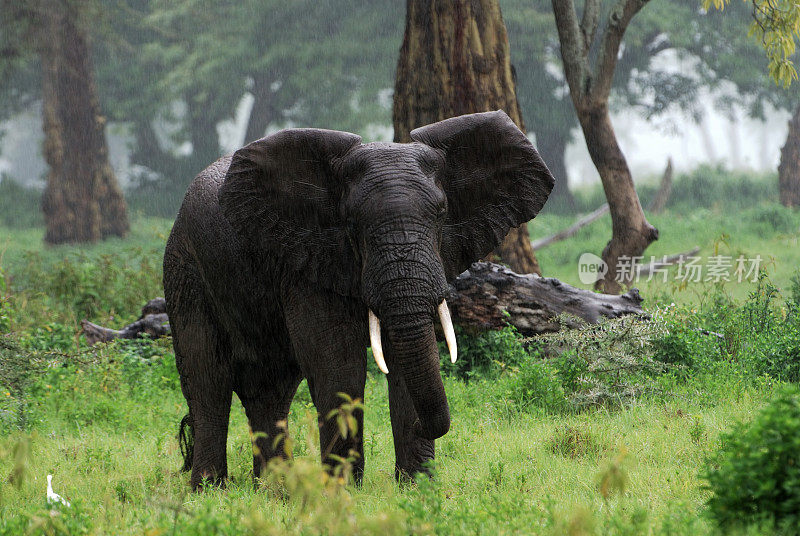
(413, 352)
(404, 283)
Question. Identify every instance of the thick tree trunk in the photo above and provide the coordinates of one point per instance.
(82, 201)
(263, 111)
(204, 137)
(789, 168)
(631, 233)
(455, 60)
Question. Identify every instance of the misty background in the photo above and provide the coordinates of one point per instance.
(333, 64)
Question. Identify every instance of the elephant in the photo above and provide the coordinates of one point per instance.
(290, 257)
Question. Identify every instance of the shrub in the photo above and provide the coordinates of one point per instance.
(755, 475)
(771, 219)
(707, 186)
(90, 284)
(535, 384)
(485, 354)
(703, 187)
(609, 363)
(19, 206)
(5, 305)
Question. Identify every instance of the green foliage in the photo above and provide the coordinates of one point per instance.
(5, 305)
(707, 186)
(607, 364)
(41, 520)
(755, 475)
(91, 285)
(534, 384)
(484, 353)
(573, 442)
(19, 206)
(777, 26)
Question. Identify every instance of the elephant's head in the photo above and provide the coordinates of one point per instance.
(389, 223)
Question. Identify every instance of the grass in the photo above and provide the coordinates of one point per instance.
(497, 472)
(520, 458)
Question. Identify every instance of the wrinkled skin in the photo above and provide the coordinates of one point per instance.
(280, 250)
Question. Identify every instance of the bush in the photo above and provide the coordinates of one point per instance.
(5, 305)
(535, 384)
(88, 285)
(771, 219)
(485, 354)
(707, 186)
(703, 187)
(19, 206)
(755, 475)
(758, 337)
(605, 364)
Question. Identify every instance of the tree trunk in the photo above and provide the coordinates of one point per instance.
(630, 231)
(82, 201)
(203, 134)
(455, 60)
(263, 111)
(789, 168)
(553, 150)
(661, 198)
(590, 88)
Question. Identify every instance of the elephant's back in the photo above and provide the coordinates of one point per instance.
(204, 255)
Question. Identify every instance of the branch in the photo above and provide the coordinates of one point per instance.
(666, 261)
(576, 67)
(571, 230)
(618, 21)
(591, 17)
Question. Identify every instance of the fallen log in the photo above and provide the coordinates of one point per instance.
(153, 322)
(486, 297)
(571, 230)
(490, 296)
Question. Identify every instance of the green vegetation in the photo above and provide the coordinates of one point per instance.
(755, 477)
(620, 428)
(724, 213)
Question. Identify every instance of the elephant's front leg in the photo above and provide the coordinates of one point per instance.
(411, 451)
(328, 337)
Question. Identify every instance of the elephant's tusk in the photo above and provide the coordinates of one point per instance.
(449, 332)
(375, 342)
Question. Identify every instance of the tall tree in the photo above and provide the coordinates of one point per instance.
(82, 201)
(589, 58)
(789, 168)
(188, 64)
(455, 60)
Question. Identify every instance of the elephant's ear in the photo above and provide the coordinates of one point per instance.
(493, 178)
(281, 194)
